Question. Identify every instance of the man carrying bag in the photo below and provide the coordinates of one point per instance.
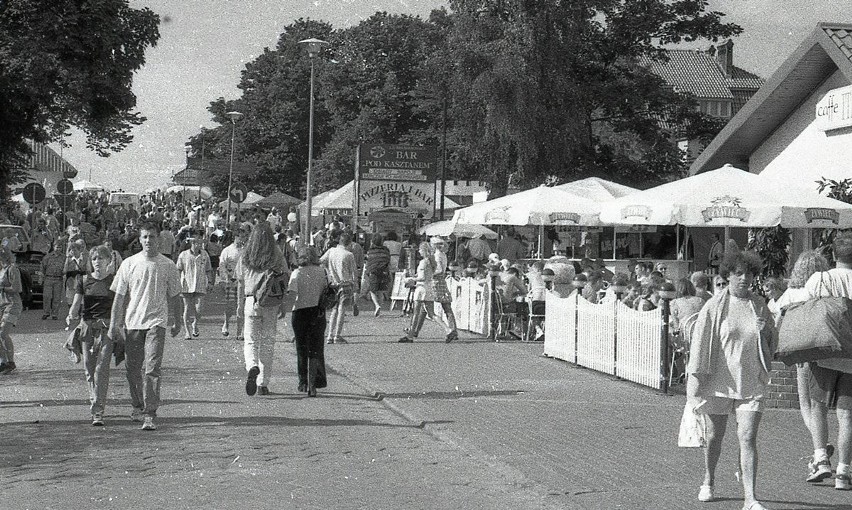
(831, 379)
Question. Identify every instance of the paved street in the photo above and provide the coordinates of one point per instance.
(471, 424)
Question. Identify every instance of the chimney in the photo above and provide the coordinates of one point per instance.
(725, 57)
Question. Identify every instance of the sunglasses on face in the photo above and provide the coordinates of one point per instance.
(721, 284)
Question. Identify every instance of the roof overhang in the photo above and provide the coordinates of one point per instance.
(814, 61)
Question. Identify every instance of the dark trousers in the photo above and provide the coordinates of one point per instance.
(309, 329)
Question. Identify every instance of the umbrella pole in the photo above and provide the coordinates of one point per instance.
(641, 245)
(677, 242)
(614, 235)
(727, 237)
(541, 241)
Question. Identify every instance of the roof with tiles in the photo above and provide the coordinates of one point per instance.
(842, 37)
(827, 50)
(698, 73)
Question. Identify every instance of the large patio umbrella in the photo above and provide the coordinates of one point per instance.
(447, 228)
(278, 200)
(726, 197)
(595, 188)
(538, 206)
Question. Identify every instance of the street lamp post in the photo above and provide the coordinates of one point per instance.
(234, 116)
(188, 149)
(314, 46)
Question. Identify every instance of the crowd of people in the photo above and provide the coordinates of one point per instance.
(128, 274)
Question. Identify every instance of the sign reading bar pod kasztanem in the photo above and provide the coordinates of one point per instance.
(395, 178)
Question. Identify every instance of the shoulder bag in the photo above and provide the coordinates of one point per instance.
(816, 329)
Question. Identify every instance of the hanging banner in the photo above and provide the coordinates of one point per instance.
(395, 178)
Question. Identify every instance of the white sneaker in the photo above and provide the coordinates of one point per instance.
(149, 424)
(842, 483)
(98, 420)
(820, 471)
(705, 493)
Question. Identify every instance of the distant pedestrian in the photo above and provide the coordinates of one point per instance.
(10, 307)
(92, 307)
(195, 276)
(308, 282)
(424, 295)
(234, 296)
(376, 272)
(146, 301)
(52, 270)
(442, 292)
(340, 264)
(261, 260)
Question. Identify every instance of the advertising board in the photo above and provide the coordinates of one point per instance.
(398, 178)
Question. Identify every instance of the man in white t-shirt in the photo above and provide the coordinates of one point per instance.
(146, 301)
(234, 296)
(836, 381)
(340, 264)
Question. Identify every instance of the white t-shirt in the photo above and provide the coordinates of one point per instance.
(835, 282)
(193, 271)
(147, 283)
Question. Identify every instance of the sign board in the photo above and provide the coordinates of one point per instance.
(34, 193)
(65, 201)
(238, 193)
(834, 110)
(65, 187)
(119, 198)
(399, 178)
(70, 173)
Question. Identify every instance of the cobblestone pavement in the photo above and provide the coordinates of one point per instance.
(471, 424)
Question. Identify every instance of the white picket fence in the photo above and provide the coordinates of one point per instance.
(471, 304)
(610, 338)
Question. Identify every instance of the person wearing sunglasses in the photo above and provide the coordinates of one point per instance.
(719, 284)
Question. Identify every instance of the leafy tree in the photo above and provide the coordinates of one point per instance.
(273, 133)
(67, 63)
(373, 89)
(557, 87)
(838, 190)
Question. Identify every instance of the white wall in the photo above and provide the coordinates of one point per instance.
(798, 154)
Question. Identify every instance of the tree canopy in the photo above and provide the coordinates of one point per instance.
(523, 92)
(67, 63)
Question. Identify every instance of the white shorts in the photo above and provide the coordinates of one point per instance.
(724, 405)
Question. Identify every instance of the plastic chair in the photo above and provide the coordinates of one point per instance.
(506, 320)
(536, 311)
(681, 348)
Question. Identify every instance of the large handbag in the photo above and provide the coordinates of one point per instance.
(816, 329)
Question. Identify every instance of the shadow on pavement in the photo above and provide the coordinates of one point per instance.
(112, 402)
(450, 395)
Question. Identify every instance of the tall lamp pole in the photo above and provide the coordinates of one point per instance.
(314, 46)
(234, 116)
(188, 149)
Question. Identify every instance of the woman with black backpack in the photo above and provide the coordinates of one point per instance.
(262, 273)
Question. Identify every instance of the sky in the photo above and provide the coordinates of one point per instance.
(205, 44)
